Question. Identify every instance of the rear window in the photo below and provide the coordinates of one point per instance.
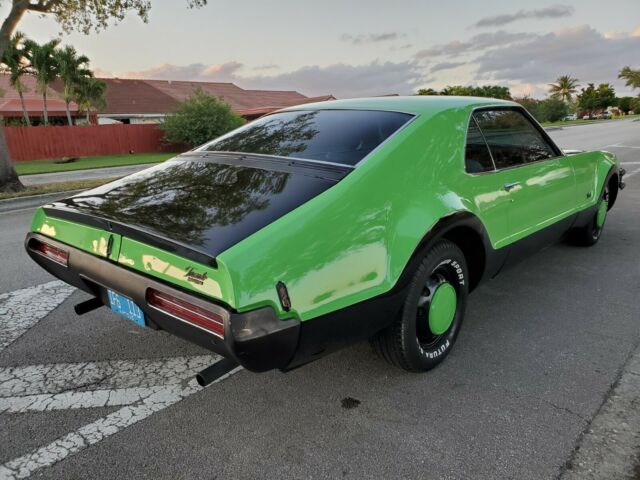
(337, 136)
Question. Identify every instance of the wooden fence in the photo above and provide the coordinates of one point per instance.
(53, 142)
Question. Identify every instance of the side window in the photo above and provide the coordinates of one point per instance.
(512, 139)
(477, 158)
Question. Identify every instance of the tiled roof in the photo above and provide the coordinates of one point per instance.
(10, 100)
(162, 96)
(136, 96)
(144, 97)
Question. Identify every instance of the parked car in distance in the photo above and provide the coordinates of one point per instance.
(324, 224)
(570, 117)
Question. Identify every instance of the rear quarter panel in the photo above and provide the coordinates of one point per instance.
(591, 170)
(353, 241)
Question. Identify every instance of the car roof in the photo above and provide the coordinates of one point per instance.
(416, 104)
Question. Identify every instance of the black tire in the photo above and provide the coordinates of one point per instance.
(409, 342)
(589, 235)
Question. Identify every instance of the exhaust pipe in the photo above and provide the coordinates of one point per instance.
(215, 371)
(88, 305)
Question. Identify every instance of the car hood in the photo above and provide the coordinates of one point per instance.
(200, 203)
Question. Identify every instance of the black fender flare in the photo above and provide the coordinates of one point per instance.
(614, 170)
(465, 229)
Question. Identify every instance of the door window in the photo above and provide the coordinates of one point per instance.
(513, 140)
(477, 158)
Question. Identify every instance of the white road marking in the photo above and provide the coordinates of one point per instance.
(141, 387)
(629, 163)
(97, 431)
(75, 400)
(63, 377)
(22, 309)
(631, 174)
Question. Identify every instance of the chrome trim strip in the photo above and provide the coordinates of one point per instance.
(205, 153)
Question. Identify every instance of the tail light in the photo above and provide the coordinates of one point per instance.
(187, 312)
(52, 253)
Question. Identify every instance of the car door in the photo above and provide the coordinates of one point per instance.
(484, 185)
(537, 178)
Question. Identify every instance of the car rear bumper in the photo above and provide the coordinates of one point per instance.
(258, 340)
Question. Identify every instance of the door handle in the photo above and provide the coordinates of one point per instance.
(510, 186)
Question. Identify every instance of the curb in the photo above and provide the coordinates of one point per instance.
(33, 201)
(608, 446)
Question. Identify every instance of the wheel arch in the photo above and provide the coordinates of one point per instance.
(614, 185)
(468, 233)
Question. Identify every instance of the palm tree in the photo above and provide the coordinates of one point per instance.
(564, 88)
(631, 76)
(15, 62)
(72, 69)
(44, 67)
(90, 93)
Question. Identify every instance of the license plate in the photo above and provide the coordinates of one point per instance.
(126, 307)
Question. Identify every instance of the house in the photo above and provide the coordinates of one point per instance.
(11, 106)
(149, 101)
(133, 101)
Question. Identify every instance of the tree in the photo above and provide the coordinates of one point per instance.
(427, 91)
(592, 99)
(631, 76)
(198, 119)
(79, 15)
(564, 88)
(45, 68)
(547, 110)
(490, 91)
(533, 106)
(553, 109)
(72, 70)
(16, 62)
(625, 104)
(89, 93)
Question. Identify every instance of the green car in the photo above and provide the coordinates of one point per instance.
(321, 225)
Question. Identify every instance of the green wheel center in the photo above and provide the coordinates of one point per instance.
(602, 213)
(442, 309)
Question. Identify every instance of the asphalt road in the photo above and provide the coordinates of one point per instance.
(97, 397)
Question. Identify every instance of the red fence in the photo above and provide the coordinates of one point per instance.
(39, 143)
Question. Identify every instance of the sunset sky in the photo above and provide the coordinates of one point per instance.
(367, 47)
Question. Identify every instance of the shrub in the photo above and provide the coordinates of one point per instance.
(199, 119)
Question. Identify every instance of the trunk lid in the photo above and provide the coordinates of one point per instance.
(199, 204)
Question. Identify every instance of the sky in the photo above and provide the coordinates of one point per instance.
(352, 48)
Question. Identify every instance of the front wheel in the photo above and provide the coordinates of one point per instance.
(590, 234)
(428, 325)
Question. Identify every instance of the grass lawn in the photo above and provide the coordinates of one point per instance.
(56, 187)
(50, 166)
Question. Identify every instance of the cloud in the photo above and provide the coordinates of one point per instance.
(223, 72)
(445, 66)
(370, 38)
(341, 80)
(478, 42)
(581, 52)
(267, 67)
(556, 11)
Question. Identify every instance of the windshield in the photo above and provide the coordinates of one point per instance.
(337, 136)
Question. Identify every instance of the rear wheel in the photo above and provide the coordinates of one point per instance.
(428, 325)
(590, 234)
